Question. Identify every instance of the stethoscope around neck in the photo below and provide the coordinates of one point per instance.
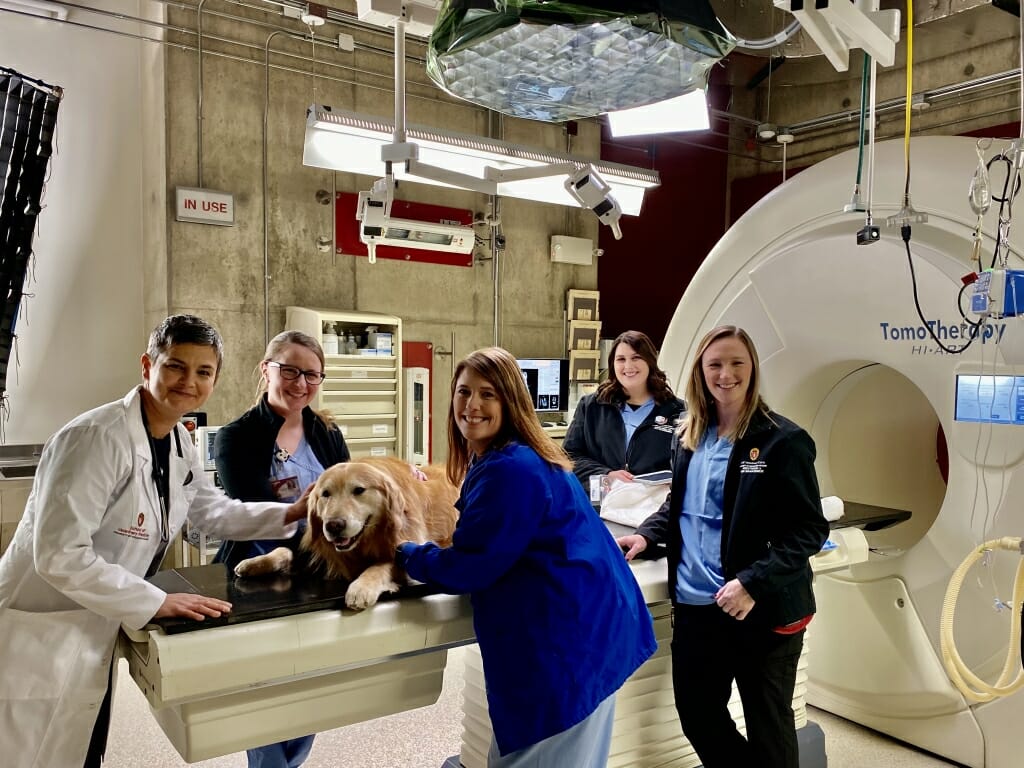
(162, 482)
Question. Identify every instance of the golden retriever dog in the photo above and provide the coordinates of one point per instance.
(359, 512)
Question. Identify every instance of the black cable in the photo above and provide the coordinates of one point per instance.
(1004, 200)
(905, 234)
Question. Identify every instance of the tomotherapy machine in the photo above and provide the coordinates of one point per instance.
(901, 426)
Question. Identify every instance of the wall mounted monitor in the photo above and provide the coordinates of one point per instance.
(548, 382)
(989, 399)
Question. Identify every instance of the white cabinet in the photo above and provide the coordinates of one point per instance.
(363, 391)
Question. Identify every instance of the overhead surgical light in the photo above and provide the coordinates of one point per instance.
(556, 61)
(688, 112)
(347, 141)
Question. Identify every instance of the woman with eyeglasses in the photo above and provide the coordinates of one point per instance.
(274, 451)
(112, 489)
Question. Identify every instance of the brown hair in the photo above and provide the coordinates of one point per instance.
(518, 419)
(699, 401)
(611, 390)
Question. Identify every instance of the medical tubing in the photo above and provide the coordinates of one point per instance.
(910, 94)
(765, 43)
(863, 111)
(972, 687)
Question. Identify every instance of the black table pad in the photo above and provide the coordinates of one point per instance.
(263, 597)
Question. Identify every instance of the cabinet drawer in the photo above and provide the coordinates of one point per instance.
(367, 448)
(359, 372)
(360, 403)
(364, 362)
(371, 428)
(339, 387)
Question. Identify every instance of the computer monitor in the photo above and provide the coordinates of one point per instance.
(989, 399)
(548, 382)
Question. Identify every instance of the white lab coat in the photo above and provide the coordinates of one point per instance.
(65, 592)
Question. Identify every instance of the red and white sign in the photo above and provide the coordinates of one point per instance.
(205, 206)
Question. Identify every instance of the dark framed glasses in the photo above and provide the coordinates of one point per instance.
(291, 373)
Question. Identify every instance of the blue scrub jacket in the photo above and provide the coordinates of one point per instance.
(559, 617)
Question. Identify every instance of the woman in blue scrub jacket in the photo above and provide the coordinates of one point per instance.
(560, 619)
(741, 521)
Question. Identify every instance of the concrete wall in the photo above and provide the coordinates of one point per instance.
(113, 261)
(218, 272)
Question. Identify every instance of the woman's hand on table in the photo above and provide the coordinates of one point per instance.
(632, 545)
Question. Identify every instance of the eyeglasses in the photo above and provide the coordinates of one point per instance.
(291, 373)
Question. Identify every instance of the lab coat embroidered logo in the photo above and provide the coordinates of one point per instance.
(137, 531)
(754, 453)
(659, 419)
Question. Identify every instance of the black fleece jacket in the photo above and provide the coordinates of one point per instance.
(596, 439)
(772, 520)
(244, 449)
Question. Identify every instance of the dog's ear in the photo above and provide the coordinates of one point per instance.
(315, 525)
(394, 499)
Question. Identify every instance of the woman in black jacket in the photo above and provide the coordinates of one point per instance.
(626, 427)
(741, 521)
(272, 452)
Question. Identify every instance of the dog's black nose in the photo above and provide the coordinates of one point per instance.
(334, 528)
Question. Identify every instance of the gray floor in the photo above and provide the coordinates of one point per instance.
(426, 737)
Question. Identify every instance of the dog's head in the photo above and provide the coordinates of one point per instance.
(351, 500)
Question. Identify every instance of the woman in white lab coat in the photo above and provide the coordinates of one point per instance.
(112, 488)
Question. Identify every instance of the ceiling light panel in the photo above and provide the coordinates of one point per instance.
(351, 142)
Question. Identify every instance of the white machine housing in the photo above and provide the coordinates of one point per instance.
(844, 354)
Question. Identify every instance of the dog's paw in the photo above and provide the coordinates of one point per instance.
(254, 566)
(362, 595)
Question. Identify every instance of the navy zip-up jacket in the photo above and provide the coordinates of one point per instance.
(772, 519)
(596, 439)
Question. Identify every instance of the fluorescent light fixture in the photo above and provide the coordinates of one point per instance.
(35, 8)
(347, 141)
(688, 112)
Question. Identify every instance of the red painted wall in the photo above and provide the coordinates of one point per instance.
(642, 276)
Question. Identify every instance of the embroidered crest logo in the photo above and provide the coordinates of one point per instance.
(754, 453)
(659, 419)
(142, 519)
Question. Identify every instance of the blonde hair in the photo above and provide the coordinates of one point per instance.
(699, 401)
(276, 347)
(518, 419)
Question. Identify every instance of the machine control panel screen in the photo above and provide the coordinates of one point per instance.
(990, 399)
(548, 382)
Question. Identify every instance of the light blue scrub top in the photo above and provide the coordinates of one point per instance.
(699, 575)
(633, 418)
(304, 466)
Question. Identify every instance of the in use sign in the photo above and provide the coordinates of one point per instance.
(205, 206)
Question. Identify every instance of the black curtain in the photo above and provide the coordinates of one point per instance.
(26, 143)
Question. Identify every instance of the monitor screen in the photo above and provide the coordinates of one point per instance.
(548, 382)
(990, 399)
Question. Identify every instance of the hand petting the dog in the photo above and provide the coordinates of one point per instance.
(297, 509)
(191, 606)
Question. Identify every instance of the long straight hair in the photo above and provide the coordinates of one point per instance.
(519, 421)
(699, 401)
